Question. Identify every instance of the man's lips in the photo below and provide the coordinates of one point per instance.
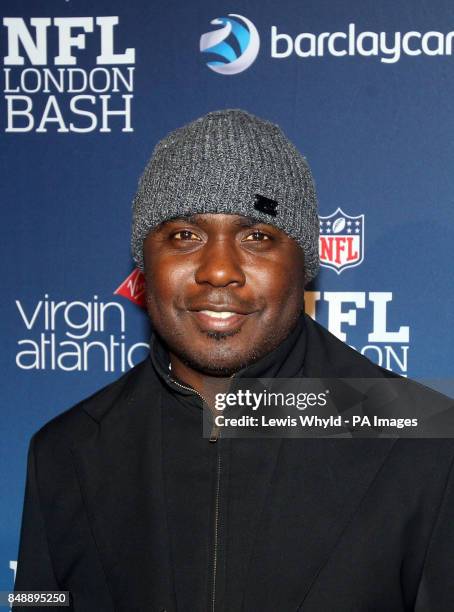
(219, 319)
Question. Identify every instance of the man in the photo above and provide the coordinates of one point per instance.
(130, 508)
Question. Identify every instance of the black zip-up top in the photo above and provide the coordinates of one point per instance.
(130, 509)
(205, 480)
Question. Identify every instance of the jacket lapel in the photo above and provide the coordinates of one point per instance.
(306, 496)
(121, 479)
(316, 489)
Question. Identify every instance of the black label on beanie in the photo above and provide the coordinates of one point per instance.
(265, 205)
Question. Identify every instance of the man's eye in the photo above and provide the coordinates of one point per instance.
(260, 236)
(185, 235)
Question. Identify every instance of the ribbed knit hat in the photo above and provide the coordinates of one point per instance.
(229, 162)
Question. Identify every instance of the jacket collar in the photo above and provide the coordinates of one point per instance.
(310, 351)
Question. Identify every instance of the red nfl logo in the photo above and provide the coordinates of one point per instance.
(341, 241)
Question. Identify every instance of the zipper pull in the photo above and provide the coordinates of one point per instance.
(214, 434)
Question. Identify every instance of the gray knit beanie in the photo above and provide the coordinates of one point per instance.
(229, 162)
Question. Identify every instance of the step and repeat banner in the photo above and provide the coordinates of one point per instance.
(365, 90)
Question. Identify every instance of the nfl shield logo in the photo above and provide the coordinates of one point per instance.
(341, 241)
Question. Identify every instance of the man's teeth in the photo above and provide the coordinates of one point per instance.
(218, 315)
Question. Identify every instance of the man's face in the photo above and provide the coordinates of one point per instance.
(222, 290)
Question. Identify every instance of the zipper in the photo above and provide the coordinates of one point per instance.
(216, 531)
(215, 435)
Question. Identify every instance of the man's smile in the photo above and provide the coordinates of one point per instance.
(224, 320)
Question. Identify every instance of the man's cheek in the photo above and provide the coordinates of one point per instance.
(176, 278)
(289, 299)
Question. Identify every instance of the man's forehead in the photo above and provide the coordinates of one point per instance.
(213, 218)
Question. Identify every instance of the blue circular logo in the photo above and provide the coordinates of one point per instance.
(236, 44)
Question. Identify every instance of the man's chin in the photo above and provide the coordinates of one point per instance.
(212, 367)
(214, 363)
(220, 335)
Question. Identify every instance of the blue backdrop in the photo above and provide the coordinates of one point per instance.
(364, 90)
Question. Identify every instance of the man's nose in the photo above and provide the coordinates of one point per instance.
(220, 264)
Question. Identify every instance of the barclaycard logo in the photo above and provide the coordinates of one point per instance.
(233, 47)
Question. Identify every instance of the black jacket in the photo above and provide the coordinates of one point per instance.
(131, 510)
